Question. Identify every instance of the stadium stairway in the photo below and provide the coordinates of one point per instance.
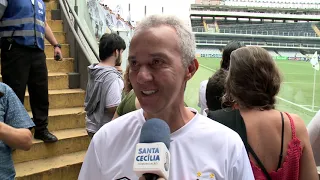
(61, 160)
(316, 30)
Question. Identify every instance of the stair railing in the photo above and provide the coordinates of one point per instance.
(81, 49)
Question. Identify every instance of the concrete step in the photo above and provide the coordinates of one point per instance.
(48, 14)
(53, 4)
(64, 66)
(70, 140)
(65, 98)
(56, 80)
(49, 50)
(60, 37)
(65, 167)
(66, 118)
(55, 25)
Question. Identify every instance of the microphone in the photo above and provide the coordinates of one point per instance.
(152, 156)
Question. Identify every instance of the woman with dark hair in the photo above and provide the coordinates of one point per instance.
(231, 46)
(277, 142)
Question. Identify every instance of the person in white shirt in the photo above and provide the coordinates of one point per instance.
(161, 61)
(202, 97)
(224, 66)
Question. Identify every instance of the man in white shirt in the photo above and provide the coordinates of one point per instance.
(161, 61)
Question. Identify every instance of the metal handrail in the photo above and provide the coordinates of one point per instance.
(76, 36)
(77, 21)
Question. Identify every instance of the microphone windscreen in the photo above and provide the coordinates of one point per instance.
(155, 130)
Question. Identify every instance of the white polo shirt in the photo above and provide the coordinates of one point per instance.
(202, 149)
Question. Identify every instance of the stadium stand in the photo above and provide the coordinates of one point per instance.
(281, 29)
(282, 37)
(274, 3)
(291, 54)
(272, 53)
(208, 51)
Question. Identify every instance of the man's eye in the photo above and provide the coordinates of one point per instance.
(156, 62)
(133, 63)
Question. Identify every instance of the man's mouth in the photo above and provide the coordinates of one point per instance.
(149, 92)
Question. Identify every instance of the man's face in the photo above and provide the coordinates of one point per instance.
(156, 71)
(119, 57)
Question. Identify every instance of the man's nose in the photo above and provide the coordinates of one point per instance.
(144, 75)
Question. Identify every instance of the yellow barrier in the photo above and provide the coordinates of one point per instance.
(316, 29)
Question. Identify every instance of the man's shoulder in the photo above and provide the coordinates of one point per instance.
(218, 130)
(227, 115)
(4, 88)
(6, 91)
(124, 125)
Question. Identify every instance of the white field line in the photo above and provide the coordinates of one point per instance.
(207, 68)
(296, 82)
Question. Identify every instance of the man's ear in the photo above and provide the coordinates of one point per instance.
(116, 53)
(192, 69)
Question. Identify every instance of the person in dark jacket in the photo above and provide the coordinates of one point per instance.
(23, 60)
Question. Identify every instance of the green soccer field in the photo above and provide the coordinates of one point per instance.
(296, 90)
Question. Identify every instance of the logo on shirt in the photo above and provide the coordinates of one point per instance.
(202, 176)
(123, 178)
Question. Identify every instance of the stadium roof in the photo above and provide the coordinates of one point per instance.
(254, 15)
(201, 7)
(305, 4)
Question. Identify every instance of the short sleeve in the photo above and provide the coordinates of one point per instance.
(15, 113)
(114, 94)
(241, 168)
(91, 166)
(120, 107)
(124, 102)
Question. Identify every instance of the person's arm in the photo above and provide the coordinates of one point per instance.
(15, 138)
(308, 168)
(119, 111)
(241, 168)
(3, 7)
(14, 130)
(113, 96)
(91, 166)
(116, 115)
(52, 40)
(239, 164)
